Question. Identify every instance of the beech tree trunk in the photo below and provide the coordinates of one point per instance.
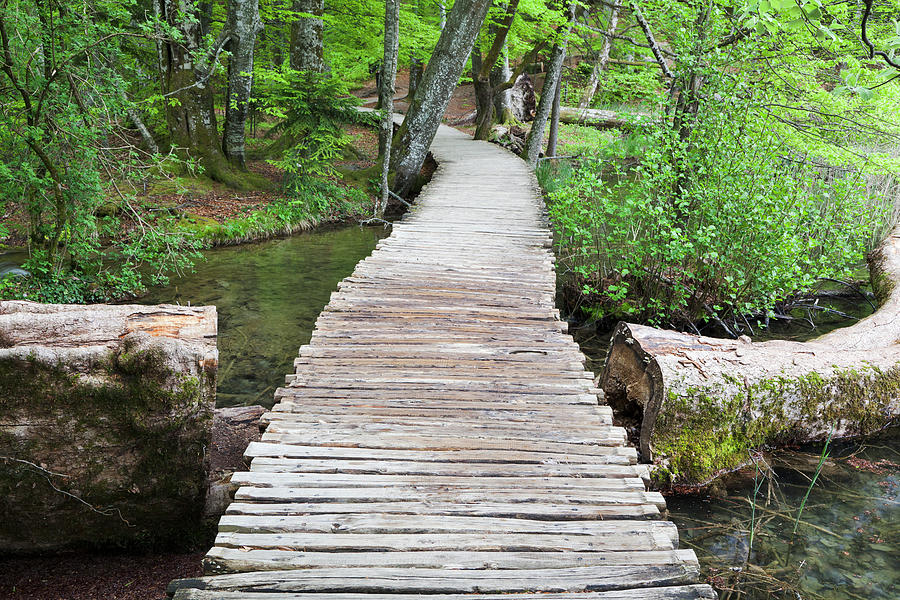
(438, 82)
(553, 136)
(105, 423)
(386, 97)
(502, 99)
(244, 25)
(192, 118)
(704, 403)
(415, 76)
(602, 59)
(481, 76)
(484, 105)
(545, 104)
(307, 37)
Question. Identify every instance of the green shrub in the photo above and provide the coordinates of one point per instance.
(722, 222)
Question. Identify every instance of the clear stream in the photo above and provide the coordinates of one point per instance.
(268, 296)
(847, 542)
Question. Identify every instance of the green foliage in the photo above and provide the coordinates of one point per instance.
(312, 109)
(731, 225)
(60, 103)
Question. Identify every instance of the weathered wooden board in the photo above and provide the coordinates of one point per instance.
(440, 437)
(685, 592)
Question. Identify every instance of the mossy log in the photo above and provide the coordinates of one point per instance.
(105, 423)
(703, 403)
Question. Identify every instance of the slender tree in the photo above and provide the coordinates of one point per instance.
(554, 73)
(386, 93)
(502, 97)
(243, 26)
(553, 136)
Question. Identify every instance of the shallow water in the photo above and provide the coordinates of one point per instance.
(847, 542)
(268, 296)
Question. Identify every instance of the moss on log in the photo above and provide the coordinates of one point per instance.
(105, 422)
(704, 403)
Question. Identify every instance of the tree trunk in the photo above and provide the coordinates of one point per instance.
(437, 85)
(386, 97)
(243, 25)
(554, 74)
(522, 100)
(484, 105)
(415, 63)
(602, 59)
(105, 423)
(703, 403)
(192, 118)
(484, 92)
(415, 76)
(307, 37)
(554, 122)
(503, 99)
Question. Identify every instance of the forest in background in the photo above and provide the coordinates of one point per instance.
(719, 157)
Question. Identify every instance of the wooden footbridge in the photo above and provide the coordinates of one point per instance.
(441, 438)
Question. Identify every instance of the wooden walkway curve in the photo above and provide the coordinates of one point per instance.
(441, 437)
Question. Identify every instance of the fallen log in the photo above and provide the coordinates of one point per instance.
(703, 404)
(602, 119)
(105, 423)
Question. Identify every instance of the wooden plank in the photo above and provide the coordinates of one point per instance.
(393, 467)
(627, 539)
(426, 482)
(599, 455)
(439, 581)
(685, 592)
(549, 511)
(376, 523)
(487, 495)
(224, 559)
(440, 441)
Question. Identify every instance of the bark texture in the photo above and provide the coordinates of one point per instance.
(192, 118)
(548, 92)
(502, 99)
(484, 105)
(703, 403)
(307, 37)
(244, 25)
(386, 97)
(105, 423)
(553, 136)
(437, 85)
